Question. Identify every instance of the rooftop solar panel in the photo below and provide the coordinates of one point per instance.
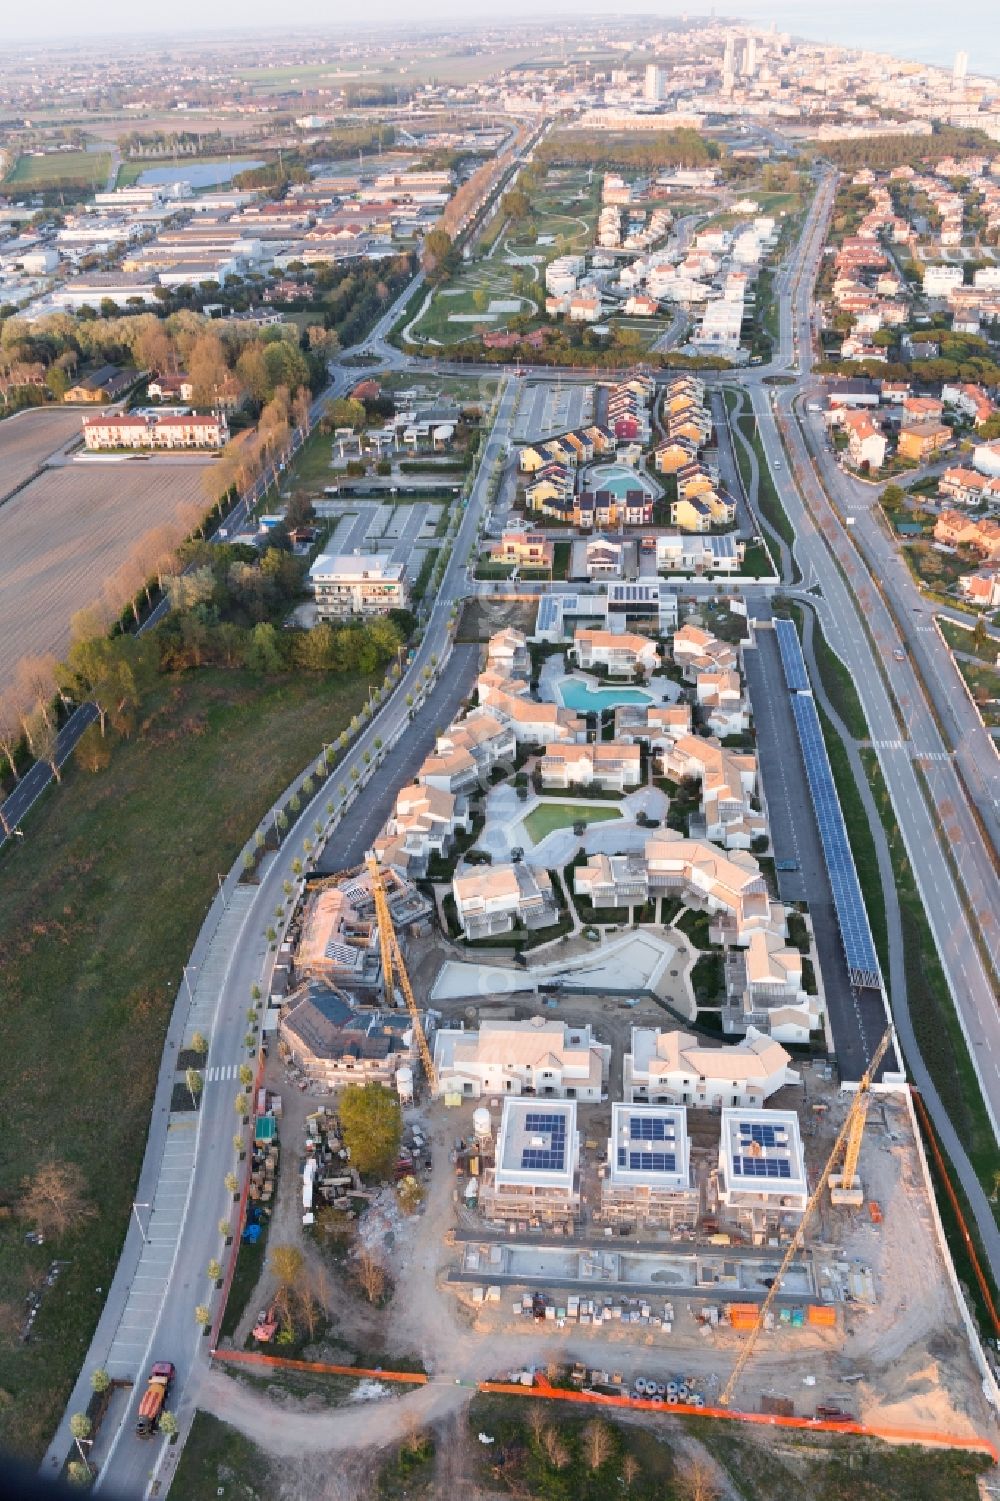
(650, 1128)
(653, 1162)
(762, 1167)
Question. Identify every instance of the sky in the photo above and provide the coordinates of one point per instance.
(921, 29)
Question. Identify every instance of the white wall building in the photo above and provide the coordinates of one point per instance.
(539, 1056)
(674, 1068)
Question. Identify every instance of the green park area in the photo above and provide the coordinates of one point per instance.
(100, 905)
(547, 817)
(506, 280)
(57, 169)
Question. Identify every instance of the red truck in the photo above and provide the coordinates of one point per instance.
(154, 1398)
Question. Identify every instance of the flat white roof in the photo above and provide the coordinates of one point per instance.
(648, 1147)
(538, 1144)
(760, 1152)
(376, 565)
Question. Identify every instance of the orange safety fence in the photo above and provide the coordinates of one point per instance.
(945, 1177)
(544, 1390)
(281, 1363)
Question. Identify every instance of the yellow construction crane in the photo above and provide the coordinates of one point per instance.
(393, 968)
(849, 1134)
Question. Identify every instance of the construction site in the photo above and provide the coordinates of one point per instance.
(777, 1259)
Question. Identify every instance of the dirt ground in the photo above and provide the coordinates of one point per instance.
(28, 438)
(64, 536)
(909, 1350)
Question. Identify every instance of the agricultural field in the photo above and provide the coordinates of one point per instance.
(65, 535)
(442, 67)
(84, 169)
(28, 438)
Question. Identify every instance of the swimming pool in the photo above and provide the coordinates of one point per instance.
(618, 479)
(580, 696)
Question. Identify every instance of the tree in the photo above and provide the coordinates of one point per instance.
(99, 1380)
(598, 1444)
(193, 1080)
(199, 1043)
(80, 1426)
(371, 1277)
(55, 1198)
(214, 1270)
(207, 369)
(168, 1424)
(344, 411)
(43, 737)
(438, 256)
(202, 1316)
(78, 1472)
(373, 1125)
(516, 204)
(232, 1183)
(556, 1452)
(246, 1075)
(93, 751)
(287, 1265)
(697, 1482)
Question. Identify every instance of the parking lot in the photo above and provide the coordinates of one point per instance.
(549, 407)
(399, 530)
(795, 839)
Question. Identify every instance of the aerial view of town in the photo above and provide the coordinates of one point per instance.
(500, 754)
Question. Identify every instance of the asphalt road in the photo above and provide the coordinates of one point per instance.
(231, 956)
(822, 548)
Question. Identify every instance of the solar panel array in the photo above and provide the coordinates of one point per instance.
(791, 656)
(650, 1128)
(855, 933)
(647, 1161)
(767, 1136)
(762, 1167)
(551, 1158)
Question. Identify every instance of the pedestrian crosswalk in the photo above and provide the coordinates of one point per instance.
(932, 756)
(220, 1072)
(887, 744)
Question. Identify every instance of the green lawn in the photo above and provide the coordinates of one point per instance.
(310, 470)
(85, 169)
(984, 685)
(218, 1460)
(99, 908)
(547, 817)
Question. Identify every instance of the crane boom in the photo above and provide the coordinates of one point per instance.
(857, 1113)
(393, 968)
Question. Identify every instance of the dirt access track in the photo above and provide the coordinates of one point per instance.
(906, 1358)
(67, 532)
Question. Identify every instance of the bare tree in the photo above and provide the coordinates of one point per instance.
(630, 1470)
(43, 737)
(54, 1198)
(598, 1444)
(10, 734)
(371, 1277)
(556, 1452)
(697, 1482)
(287, 1265)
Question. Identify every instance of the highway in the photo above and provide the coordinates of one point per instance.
(149, 1313)
(822, 548)
(160, 1279)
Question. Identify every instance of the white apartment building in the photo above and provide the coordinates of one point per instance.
(619, 652)
(675, 1068)
(608, 765)
(346, 584)
(492, 899)
(764, 989)
(536, 1171)
(938, 281)
(538, 1057)
(647, 1181)
(762, 1184)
